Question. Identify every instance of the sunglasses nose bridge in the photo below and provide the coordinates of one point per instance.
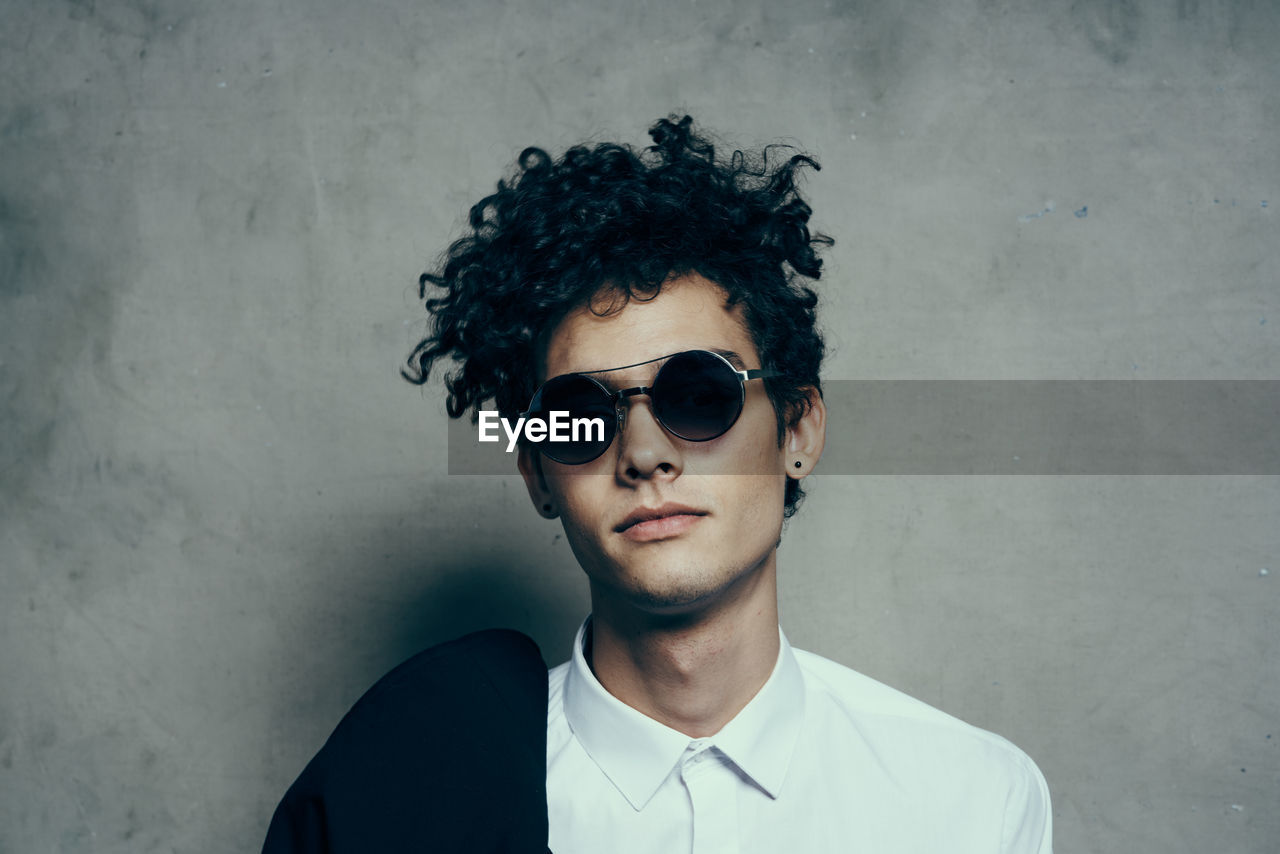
(620, 407)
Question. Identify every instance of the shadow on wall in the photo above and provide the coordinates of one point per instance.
(365, 623)
(476, 593)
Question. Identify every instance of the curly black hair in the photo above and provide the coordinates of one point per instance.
(606, 218)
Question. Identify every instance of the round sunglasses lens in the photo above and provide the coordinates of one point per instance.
(697, 396)
(590, 421)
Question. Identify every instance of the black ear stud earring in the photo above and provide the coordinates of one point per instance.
(546, 508)
(798, 464)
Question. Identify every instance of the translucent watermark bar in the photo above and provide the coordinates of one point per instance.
(1006, 427)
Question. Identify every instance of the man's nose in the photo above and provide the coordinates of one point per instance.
(647, 449)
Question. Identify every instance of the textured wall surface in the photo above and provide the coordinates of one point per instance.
(223, 514)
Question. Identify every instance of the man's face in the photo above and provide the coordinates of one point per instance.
(721, 501)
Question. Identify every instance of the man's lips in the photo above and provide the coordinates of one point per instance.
(657, 523)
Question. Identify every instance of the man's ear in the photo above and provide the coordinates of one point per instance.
(806, 437)
(529, 461)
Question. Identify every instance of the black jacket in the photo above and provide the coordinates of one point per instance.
(446, 753)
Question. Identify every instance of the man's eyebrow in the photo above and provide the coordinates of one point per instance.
(734, 359)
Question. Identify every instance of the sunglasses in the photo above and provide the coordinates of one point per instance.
(696, 395)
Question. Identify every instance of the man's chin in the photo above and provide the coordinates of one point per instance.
(674, 579)
(674, 596)
(672, 602)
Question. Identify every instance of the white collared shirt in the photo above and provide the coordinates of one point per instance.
(823, 759)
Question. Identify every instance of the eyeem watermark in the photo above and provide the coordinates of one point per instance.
(558, 428)
(995, 427)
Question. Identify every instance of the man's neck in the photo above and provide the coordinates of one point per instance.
(692, 672)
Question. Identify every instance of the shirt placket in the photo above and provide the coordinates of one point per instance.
(712, 794)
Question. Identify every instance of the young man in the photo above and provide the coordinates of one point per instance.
(662, 293)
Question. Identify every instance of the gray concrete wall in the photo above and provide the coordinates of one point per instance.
(224, 514)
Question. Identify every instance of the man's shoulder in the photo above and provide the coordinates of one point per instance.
(889, 717)
(980, 786)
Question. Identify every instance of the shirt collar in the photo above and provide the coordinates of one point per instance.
(637, 752)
